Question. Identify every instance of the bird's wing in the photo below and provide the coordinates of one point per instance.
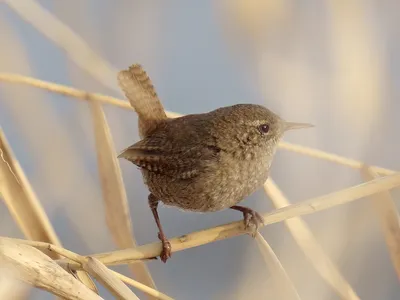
(181, 155)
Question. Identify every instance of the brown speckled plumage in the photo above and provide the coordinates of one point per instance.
(201, 162)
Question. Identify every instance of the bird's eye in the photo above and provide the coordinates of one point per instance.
(264, 128)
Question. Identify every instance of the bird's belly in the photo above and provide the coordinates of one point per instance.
(214, 190)
(234, 184)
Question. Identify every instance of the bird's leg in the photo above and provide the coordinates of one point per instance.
(166, 246)
(249, 217)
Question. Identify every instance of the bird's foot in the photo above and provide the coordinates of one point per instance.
(252, 219)
(166, 248)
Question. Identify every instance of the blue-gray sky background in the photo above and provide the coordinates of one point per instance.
(336, 65)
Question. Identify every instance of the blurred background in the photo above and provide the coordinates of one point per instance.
(332, 63)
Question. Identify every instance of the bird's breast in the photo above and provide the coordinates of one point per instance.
(220, 186)
(237, 178)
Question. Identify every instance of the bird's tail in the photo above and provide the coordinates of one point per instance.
(138, 88)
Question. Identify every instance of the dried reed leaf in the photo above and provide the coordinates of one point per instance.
(83, 95)
(388, 215)
(114, 195)
(99, 271)
(83, 277)
(307, 242)
(225, 231)
(21, 199)
(282, 279)
(25, 207)
(35, 268)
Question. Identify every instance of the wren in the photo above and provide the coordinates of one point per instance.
(201, 162)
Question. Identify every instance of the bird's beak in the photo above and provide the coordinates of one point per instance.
(291, 125)
(122, 153)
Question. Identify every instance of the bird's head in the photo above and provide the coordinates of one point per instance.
(253, 126)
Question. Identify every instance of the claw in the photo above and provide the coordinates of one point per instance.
(251, 218)
(166, 248)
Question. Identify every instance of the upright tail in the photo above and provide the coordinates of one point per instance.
(140, 92)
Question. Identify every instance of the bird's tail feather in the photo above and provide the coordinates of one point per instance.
(138, 88)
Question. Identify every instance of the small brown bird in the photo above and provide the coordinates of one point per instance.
(201, 162)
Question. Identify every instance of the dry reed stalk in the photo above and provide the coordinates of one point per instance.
(108, 279)
(35, 268)
(280, 276)
(83, 95)
(60, 251)
(114, 195)
(225, 231)
(311, 248)
(64, 90)
(386, 211)
(25, 207)
(354, 164)
(80, 261)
